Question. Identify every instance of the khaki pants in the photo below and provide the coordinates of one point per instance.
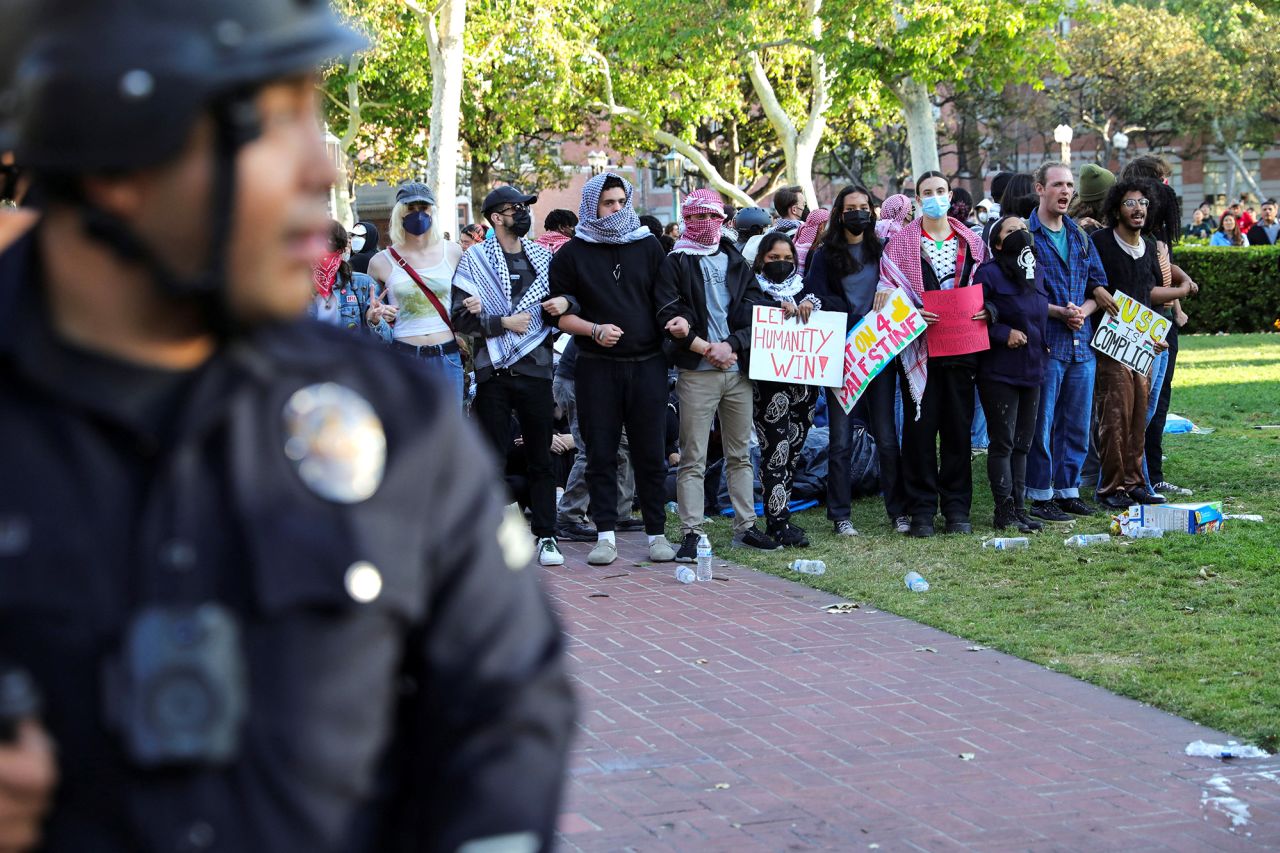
(702, 393)
(1120, 408)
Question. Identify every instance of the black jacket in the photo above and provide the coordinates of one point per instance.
(394, 724)
(1013, 306)
(607, 283)
(1258, 237)
(1133, 277)
(681, 293)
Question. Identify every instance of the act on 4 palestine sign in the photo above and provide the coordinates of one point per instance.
(797, 353)
(1130, 336)
(875, 342)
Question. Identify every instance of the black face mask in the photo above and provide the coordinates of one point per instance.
(521, 222)
(855, 220)
(1017, 257)
(778, 271)
(804, 214)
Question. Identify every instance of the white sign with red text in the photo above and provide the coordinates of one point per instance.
(797, 353)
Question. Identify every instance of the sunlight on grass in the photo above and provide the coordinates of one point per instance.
(1188, 623)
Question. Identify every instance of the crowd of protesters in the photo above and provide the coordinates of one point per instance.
(608, 360)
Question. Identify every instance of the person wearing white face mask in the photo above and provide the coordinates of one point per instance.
(364, 244)
(935, 252)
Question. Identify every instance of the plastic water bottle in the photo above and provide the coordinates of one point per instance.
(704, 558)
(915, 582)
(1147, 533)
(1080, 540)
(1014, 543)
(809, 567)
(684, 574)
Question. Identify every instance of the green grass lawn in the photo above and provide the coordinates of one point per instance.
(1187, 623)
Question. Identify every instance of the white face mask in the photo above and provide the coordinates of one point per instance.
(346, 256)
(982, 216)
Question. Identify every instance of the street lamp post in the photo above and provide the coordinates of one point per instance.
(1063, 134)
(598, 161)
(674, 164)
(1120, 141)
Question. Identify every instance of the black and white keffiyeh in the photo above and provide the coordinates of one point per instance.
(483, 272)
(617, 228)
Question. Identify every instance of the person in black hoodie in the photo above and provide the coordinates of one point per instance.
(364, 245)
(706, 296)
(602, 292)
(842, 275)
(1010, 373)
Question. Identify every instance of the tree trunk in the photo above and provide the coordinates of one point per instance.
(444, 27)
(481, 178)
(917, 113)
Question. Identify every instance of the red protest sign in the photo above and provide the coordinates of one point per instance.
(955, 333)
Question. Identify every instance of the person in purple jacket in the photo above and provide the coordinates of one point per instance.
(1011, 372)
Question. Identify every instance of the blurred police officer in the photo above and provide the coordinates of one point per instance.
(248, 633)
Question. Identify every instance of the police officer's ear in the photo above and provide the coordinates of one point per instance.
(122, 196)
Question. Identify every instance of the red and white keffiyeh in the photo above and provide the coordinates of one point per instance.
(808, 234)
(701, 237)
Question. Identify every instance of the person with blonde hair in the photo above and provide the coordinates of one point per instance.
(414, 286)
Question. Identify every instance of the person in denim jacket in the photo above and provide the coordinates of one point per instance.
(342, 296)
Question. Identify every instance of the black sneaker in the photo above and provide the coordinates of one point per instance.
(753, 538)
(921, 528)
(789, 536)
(1075, 506)
(1049, 511)
(629, 525)
(688, 552)
(1117, 501)
(1143, 495)
(958, 525)
(1028, 523)
(572, 531)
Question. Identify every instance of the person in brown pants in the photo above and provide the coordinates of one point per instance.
(1120, 394)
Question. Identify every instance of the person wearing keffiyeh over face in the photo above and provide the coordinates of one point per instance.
(498, 291)
(707, 293)
(603, 292)
(934, 252)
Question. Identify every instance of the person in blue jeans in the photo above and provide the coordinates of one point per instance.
(1073, 275)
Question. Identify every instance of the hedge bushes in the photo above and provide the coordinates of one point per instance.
(1239, 287)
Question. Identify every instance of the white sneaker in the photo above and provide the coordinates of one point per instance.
(549, 552)
(845, 528)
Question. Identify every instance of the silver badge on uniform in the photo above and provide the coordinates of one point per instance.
(336, 442)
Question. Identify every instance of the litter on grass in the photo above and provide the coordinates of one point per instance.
(1175, 424)
(1246, 517)
(1230, 750)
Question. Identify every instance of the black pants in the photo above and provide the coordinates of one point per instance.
(875, 408)
(1155, 429)
(1011, 426)
(782, 415)
(530, 399)
(946, 418)
(611, 395)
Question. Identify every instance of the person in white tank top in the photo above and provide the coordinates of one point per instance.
(418, 328)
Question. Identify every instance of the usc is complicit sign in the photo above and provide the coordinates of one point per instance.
(1131, 335)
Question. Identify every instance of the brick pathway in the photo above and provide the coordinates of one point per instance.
(740, 715)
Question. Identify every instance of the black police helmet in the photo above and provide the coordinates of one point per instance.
(117, 84)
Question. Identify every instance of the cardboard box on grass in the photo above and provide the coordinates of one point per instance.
(1180, 518)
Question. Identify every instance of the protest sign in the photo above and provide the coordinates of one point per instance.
(1130, 336)
(875, 342)
(956, 332)
(798, 353)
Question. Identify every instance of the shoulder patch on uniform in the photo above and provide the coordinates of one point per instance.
(336, 442)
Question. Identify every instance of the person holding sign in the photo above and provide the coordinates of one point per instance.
(1120, 398)
(783, 412)
(934, 253)
(1010, 373)
(843, 274)
(706, 294)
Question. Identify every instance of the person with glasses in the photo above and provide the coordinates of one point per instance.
(1132, 266)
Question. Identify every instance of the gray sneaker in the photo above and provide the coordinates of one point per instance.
(846, 528)
(902, 524)
(660, 551)
(603, 554)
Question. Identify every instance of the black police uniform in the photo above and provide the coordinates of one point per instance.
(435, 712)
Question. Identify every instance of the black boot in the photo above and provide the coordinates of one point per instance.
(1004, 515)
(1025, 522)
